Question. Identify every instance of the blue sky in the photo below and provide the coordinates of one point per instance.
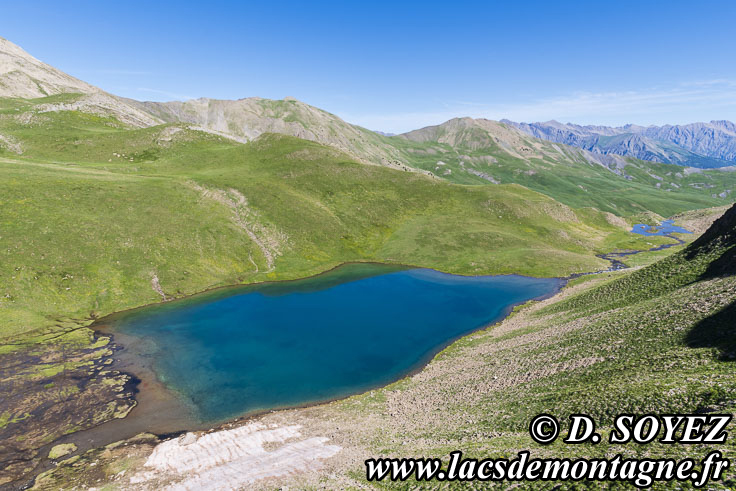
(396, 66)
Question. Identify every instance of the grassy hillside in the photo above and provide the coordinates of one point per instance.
(655, 340)
(96, 216)
(462, 150)
(467, 151)
(93, 211)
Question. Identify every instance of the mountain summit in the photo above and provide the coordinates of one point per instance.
(22, 75)
(246, 119)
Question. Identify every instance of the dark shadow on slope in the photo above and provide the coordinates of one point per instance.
(717, 331)
(720, 238)
(723, 266)
(723, 229)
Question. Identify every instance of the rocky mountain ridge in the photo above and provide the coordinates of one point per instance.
(703, 145)
(22, 75)
(25, 77)
(246, 119)
(716, 139)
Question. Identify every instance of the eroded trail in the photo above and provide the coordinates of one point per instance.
(268, 240)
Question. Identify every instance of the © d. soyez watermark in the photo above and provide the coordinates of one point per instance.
(671, 429)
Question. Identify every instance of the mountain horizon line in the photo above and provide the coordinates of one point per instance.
(458, 116)
(701, 144)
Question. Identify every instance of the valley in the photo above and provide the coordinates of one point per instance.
(108, 205)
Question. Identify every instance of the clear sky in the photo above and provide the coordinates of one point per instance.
(396, 66)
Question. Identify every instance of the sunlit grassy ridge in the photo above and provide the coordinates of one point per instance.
(92, 211)
(462, 150)
(472, 151)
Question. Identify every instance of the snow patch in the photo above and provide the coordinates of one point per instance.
(231, 459)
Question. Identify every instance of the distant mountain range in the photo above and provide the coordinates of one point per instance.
(703, 145)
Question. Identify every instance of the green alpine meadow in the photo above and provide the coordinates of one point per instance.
(255, 293)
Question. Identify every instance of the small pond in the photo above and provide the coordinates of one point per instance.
(666, 228)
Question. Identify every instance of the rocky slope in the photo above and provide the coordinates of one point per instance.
(703, 145)
(23, 76)
(716, 139)
(246, 119)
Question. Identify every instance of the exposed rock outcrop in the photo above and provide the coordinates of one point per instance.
(22, 75)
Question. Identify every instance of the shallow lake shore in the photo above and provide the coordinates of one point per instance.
(322, 424)
(159, 410)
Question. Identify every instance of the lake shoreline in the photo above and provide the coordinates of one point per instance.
(141, 382)
(101, 326)
(146, 385)
(144, 371)
(400, 266)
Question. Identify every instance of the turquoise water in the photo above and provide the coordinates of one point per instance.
(667, 227)
(275, 345)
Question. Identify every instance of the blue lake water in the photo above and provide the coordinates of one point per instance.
(247, 349)
(667, 227)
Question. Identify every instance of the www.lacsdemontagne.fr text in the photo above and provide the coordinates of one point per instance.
(639, 472)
